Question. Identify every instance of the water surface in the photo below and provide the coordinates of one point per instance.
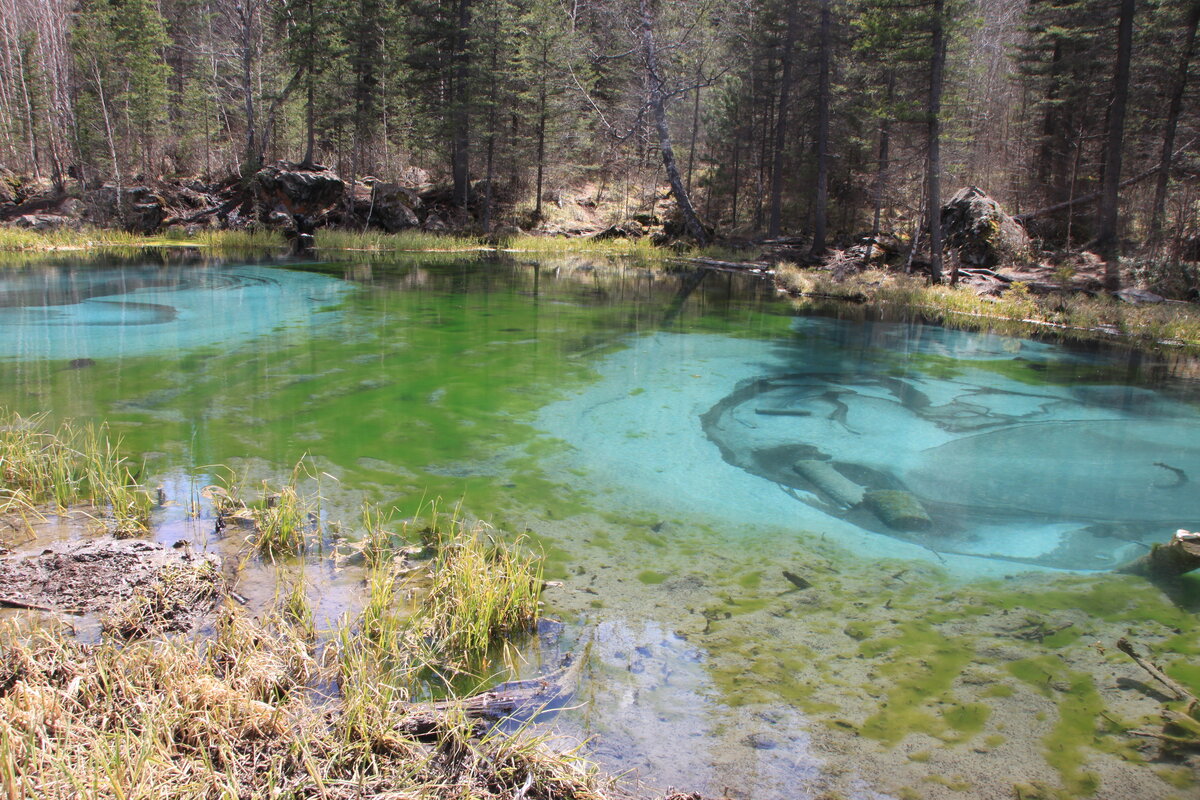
(683, 454)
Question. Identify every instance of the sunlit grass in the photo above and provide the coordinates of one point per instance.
(1016, 311)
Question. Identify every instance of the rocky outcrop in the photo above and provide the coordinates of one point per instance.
(629, 229)
(139, 209)
(976, 226)
(295, 191)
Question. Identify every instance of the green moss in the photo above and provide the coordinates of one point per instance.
(994, 740)
(909, 706)
(1078, 707)
(859, 630)
(998, 690)
(920, 756)
(650, 577)
(1187, 673)
(968, 718)
(1178, 777)
(750, 580)
(955, 784)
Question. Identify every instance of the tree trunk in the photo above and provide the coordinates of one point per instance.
(460, 117)
(824, 99)
(658, 105)
(785, 90)
(695, 131)
(541, 139)
(934, 213)
(246, 19)
(1106, 234)
(885, 141)
(1173, 109)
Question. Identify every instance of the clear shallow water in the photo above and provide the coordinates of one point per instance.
(648, 439)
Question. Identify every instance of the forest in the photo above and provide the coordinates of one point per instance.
(834, 121)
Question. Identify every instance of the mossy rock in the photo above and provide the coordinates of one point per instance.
(898, 509)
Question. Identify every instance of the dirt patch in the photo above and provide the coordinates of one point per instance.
(113, 576)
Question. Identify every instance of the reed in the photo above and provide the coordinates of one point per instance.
(69, 466)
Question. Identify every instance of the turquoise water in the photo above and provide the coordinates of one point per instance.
(679, 452)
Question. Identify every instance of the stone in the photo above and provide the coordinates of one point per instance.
(629, 229)
(983, 234)
(42, 222)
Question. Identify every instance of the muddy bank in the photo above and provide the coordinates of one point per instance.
(130, 586)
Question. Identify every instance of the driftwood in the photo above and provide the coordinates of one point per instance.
(8, 602)
(1166, 561)
(1181, 730)
(426, 721)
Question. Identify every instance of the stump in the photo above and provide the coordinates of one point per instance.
(1177, 557)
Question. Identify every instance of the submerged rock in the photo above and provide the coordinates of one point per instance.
(985, 236)
(898, 509)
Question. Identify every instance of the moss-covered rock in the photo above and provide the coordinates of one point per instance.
(985, 236)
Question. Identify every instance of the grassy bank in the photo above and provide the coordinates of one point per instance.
(261, 710)
(1016, 312)
(327, 239)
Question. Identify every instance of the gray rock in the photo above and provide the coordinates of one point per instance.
(303, 193)
(1136, 296)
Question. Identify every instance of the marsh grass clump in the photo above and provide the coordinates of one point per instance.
(68, 466)
(284, 521)
(482, 591)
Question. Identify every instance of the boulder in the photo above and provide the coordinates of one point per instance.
(8, 186)
(300, 193)
(985, 236)
(140, 209)
(1137, 296)
(388, 206)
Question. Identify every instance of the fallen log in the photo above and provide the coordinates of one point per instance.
(1088, 199)
(825, 477)
(8, 602)
(1167, 561)
(427, 721)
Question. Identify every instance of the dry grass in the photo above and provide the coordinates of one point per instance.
(242, 718)
(1016, 312)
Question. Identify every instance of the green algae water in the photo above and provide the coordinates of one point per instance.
(804, 555)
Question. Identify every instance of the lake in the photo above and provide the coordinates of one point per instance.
(802, 552)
